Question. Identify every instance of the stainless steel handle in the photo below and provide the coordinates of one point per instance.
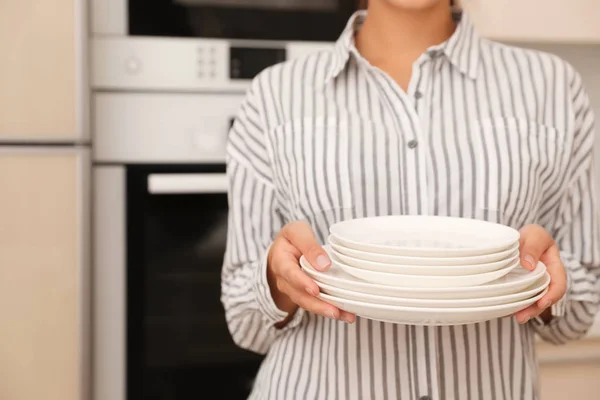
(187, 183)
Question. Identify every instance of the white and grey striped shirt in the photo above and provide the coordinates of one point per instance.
(485, 131)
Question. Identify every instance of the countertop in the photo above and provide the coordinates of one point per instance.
(595, 330)
(586, 350)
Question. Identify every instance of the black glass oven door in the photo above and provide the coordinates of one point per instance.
(287, 20)
(178, 344)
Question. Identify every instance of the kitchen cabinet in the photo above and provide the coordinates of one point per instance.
(44, 264)
(42, 72)
(573, 21)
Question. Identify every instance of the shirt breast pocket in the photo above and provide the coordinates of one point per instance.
(517, 163)
(313, 160)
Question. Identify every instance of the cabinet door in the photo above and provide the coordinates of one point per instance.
(43, 275)
(537, 20)
(42, 70)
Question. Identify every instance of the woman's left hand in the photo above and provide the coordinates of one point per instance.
(538, 245)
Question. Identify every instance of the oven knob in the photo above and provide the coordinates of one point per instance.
(133, 65)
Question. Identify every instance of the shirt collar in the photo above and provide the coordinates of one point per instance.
(345, 45)
(462, 49)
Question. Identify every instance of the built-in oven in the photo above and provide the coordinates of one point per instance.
(160, 230)
(167, 79)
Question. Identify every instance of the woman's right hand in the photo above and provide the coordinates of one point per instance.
(290, 286)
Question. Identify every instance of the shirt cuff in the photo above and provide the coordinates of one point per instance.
(558, 309)
(265, 300)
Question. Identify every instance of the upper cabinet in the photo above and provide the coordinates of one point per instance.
(560, 21)
(42, 71)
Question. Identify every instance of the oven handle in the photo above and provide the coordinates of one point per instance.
(187, 183)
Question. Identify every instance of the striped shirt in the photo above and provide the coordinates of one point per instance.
(484, 131)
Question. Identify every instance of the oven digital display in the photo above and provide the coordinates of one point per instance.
(246, 63)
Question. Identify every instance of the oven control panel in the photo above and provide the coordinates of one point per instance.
(184, 65)
(208, 61)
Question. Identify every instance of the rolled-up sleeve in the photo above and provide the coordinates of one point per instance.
(577, 232)
(253, 223)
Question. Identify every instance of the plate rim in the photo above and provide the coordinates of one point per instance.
(466, 310)
(433, 250)
(535, 290)
(510, 251)
(509, 267)
(539, 270)
(507, 261)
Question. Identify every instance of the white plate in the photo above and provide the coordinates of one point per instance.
(407, 260)
(440, 270)
(344, 294)
(424, 236)
(513, 282)
(429, 315)
(390, 279)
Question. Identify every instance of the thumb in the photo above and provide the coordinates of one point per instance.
(302, 237)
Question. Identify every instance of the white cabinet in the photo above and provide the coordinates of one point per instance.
(42, 70)
(537, 20)
(44, 265)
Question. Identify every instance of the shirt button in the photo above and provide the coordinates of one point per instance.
(412, 144)
(425, 398)
(434, 53)
(418, 95)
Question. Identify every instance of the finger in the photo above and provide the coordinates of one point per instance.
(297, 279)
(301, 235)
(311, 303)
(558, 278)
(347, 317)
(530, 312)
(534, 242)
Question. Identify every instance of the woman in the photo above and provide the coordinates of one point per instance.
(410, 113)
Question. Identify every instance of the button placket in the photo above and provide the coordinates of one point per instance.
(425, 366)
(417, 146)
(401, 105)
(418, 95)
(415, 166)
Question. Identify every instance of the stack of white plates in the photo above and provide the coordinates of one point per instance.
(427, 270)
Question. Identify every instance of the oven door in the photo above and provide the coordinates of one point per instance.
(175, 345)
(287, 20)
